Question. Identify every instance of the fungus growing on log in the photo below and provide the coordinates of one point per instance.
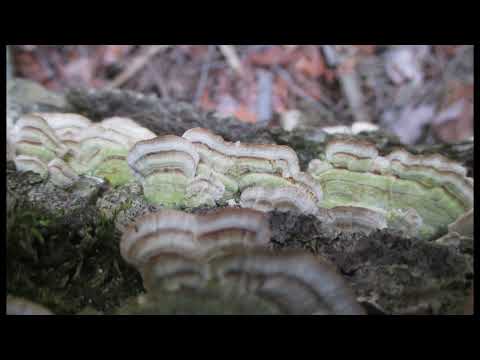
(291, 282)
(61, 174)
(350, 154)
(204, 190)
(196, 236)
(103, 148)
(32, 136)
(353, 219)
(31, 163)
(280, 198)
(128, 127)
(435, 187)
(66, 126)
(164, 165)
(237, 158)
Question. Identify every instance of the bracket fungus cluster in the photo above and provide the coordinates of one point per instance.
(352, 188)
(420, 193)
(165, 165)
(63, 146)
(227, 253)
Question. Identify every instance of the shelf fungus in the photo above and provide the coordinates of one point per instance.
(102, 148)
(290, 282)
(352, 219)
(281, 199)
(31, 163)
(61, 174)
(203, 190)
(195, 236)
(32, 136)
(241, 167)
(423, 193)
(237, 159)
(66, 126)
(83, 147)
(165, 165)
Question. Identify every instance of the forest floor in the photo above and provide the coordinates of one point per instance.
(421, 93)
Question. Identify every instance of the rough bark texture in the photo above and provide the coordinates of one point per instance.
(62, 245)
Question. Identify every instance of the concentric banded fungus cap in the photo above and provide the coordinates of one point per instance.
(128, 127)
(163, 153)
(67, 127)
(353, 219)
(164, 165)
(351, 154)
(195, 236)
(281, 199)
(65, 123)
(283, 155)
(432, 186)
(433, 170)
(106, 137)
(293, 282)
(204, 190)
(31, 163)
(437, 161)
(19, 306)
(298, 282)
(32, 136)
(61, 174)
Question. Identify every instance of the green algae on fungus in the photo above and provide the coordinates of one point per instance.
(164, 165)
(165, 188)
(115, 169)
(434, 187)
(98, 149)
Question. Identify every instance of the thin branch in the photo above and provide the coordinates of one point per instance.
(232, 58)
(202, 82)
(136, 65)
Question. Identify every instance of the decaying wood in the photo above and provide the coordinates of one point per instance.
(389, 274)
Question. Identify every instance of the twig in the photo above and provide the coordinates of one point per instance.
(202, 82)
(232, 58)
(138, 63)
(264, 96)
(159, 80)
(349, 80)
(299, 91)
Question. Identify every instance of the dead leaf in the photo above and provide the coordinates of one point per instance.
(245, 115)
(275, 55)
(112, 54)
(311, 64)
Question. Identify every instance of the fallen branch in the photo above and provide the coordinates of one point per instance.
(232, 58)
(349, 80)
(136, 65)
(202, 82)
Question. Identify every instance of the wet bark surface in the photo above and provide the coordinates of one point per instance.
(62, 245)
